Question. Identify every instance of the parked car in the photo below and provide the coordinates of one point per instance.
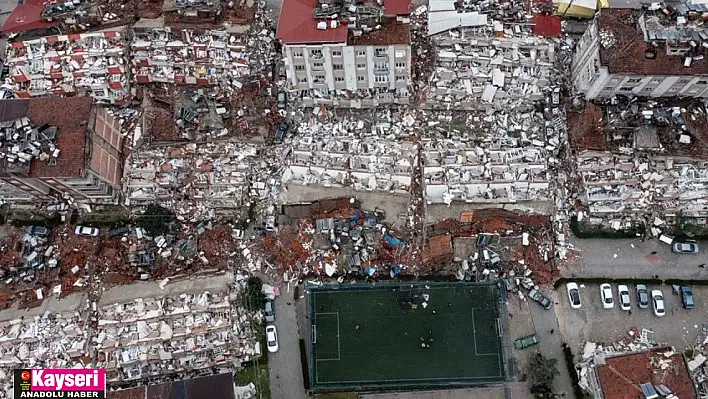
(282, 99)
(642, 296)
(272, 338)
(657, 299)
(118, 232)
(685, 248)
(608, 302)
(623, 297)
(525, 342)
(280, 132)
(573, 295)
(38, 231)
(269, 311)
(538, 297)
(686, 297)
(87, 231)
(270, 223)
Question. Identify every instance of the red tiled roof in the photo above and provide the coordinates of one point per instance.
(297, 25)
(397, 7)
(626, 55)
(27, 16)
(70, 115)
(621, 376)
(546, 25)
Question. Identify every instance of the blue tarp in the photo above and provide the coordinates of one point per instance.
(370, 270)
(395, 271)
(394, 241)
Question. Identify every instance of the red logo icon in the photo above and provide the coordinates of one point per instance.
(25, 375)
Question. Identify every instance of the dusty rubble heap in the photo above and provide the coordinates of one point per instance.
(47, 341)
(22, 141)
(148, 338)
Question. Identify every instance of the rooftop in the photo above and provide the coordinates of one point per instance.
(27, 16)
(70, 116)
(298, 23)
(621, 377)
(624, 43)
(218, 386)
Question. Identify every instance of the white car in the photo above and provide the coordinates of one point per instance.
(272, 338)
(657, 299)
(623, 297)
(87, 231)
(606, 294)
(573, 295)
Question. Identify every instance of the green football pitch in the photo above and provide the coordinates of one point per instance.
(382, 335)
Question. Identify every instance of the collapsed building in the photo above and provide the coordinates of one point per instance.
(345, 53)
(50, 154)
(91, 64)
(149, 338)
(656, 51)
(643, 159)
(188, 56)
(352, 153)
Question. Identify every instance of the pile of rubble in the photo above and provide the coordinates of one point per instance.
(151, 337)
(21, 142)
(46, 341)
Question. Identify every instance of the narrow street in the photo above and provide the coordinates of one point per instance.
(632, 258)
(285, 366)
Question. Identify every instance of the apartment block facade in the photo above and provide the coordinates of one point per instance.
(659, 55)
(325, 57)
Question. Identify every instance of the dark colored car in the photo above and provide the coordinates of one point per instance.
(642, 296)
(686, 297)
(538, 297)
(38, 231)
(281, 131)
(118, 232)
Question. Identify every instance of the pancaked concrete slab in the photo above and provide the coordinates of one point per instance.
(126, 293)
(71, 303)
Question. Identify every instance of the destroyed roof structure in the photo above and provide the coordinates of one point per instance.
(187, 56)
(656, 51)
(219, 386)
(642, 158)
(48, 153)
(27, 17)
(347, 54)
(91, 64)
(659, 370)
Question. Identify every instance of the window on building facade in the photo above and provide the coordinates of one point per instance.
(360, 66)
(647, 89)
(381, 78)
(400, 65)
(673, 89)
(400, 53)
(299, 67)
(297, 54)
(609, 88)
(37, 84)
(381, 66)
(318, 79)
(626, 88)
(316, 53)
(702, 82)
(380, 52)
(656, 80)
(359, 78)
(339, 78)
(634, 80)
(336, 53)
(116, 78)
(302, 80)
(400, 78)
(361, 53)
(317, 65)
(337, 67)
(683, 81)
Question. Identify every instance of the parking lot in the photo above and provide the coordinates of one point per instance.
(679, 327)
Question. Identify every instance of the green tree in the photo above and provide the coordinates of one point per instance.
(254, 296)
(156, 220)
(542, 371)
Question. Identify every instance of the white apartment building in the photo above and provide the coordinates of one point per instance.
(365, 52)
(654, 52)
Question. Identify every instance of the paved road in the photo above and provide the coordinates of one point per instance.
(632, 258)
(550, 345)
(285, 366)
